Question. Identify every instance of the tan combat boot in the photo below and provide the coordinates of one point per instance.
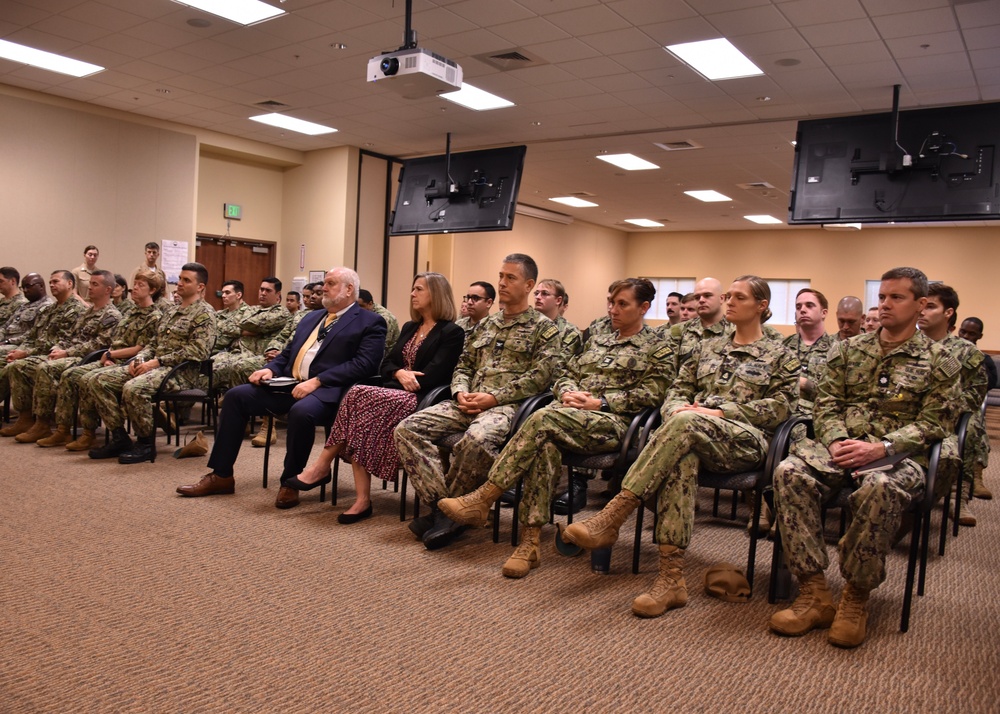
(812, 609)
(526, 557)
(84, 443)
(24, 422)
(260, 440)
(472, 509)
(848, 629)
(669, 589)
(60, 437)
(601, 530)
(39, 430)
(979, 489)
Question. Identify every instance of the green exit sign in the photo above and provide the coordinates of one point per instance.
(232, 211)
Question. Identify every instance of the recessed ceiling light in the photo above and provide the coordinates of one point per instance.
(629, 162)
(708, 196)
(338, 45)
(764, 220)
(573, 201)
(643, 223)
(283, 121)
(245, 12)
(715, 59)
(47, 60)
(477, 99)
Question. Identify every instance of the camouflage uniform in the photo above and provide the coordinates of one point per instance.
(187, 333)
(138, 328)
(771, 333)
(279, 341)
(8, 306)
(227, 328)
(125, 306)
(391, 326)
(246, 354)
(570, 336)
(600, 326)
(813, 360)
(631, 374)
(973, 386)
(907, 397)
(53, 326)
(34, 379)
(16, 329)
(510, 360)
(755, 387)
(687, 335)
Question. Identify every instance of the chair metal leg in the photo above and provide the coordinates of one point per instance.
(637, 544)
(945, 510)
(402, 496)
(267, 448)
(516, 521)
(911, 567)
(334, 484)
(923, 553)
(958, 500)
(752, 555)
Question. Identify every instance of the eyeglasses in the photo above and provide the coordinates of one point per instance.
(472, 298)
(543, 293)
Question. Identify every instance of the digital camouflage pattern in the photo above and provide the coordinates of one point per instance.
(813, 360)
(973, 391)
(8, 306)
(600, 326)
(754, 386)
(908, 397)
(136, 329)
(187, 333)
(246, 355)
(687, 335)
(570, 336)
(511, 360)
(16, 330)
(52, 325)
(228, 326)
(391, 327)
(631, 374)
(91, 332)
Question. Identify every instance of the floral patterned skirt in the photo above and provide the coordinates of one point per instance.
(365, 420)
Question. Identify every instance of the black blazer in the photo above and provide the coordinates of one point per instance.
(436, 356)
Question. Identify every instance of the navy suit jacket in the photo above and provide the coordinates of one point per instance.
(351, 352)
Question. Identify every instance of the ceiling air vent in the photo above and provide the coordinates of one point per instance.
(682, 145)
(754, 185)
(507, 60)
(271, 104)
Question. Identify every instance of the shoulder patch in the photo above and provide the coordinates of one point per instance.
(549, 331)
(663, 352)
(950, 366)
(792, 364)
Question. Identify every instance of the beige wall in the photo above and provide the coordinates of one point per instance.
(836, 263)
(69, 179)
(254, 186)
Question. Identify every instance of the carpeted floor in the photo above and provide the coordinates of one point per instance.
(119, 596)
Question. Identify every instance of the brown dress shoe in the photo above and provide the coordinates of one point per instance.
(211, 484)
(287, 498)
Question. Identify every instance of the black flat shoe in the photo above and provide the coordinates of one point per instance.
(348, 518)
(294, 482)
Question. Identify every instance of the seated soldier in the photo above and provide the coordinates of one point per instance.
(512, 356)
(689, 307)
(185, 333)
(888, 393)
(549, 296)
(476, 304)
(34, 380)
(53, 326)
(720, 413)
(229, 318)
(258, 326)
(366, 301)
(129, 337)
(972, 330)
(11, 296)
(617, 376)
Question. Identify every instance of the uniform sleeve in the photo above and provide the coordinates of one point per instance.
(777, 403)
(109, 321)
(937, 412)
(196, 345)
(652, 386)
(685, 385)
(546, 359)
(266, 322)
(830, 405)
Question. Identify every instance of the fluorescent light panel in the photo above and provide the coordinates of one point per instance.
(708, 196)
(629, 162)
(573, 201)
(643, 223)
(245, 12)
(763, 220)
(477, 99)
(283, 121)
(715, 59)
(47, 60)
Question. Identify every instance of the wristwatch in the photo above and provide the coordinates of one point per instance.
(890, 450)
(605, 407)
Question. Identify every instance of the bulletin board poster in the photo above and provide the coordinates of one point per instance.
(173, 256)
(316, 276)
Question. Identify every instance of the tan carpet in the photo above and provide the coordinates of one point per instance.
(119, 596)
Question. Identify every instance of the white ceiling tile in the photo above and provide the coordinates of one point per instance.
(978, 14)
(562, 50)
(250, 39)
(21, 13)
(532, 31)
(708, 6)
(748, 21)
(925, 22)
(981, 38)
(771, 43)
(958, 79)
(651, 59)
(892, 7)
(212, 51)
(589, 20)
(643, 12)
(161, 34)
(869, 74)
(494, 12)
(954, 62)
(926, 45)
(947, 96)
(594, 67)
(146, 70)
(178, 61)
(338, 16)
(818, 12)
(103, 15)
(43, 41)
(985, 59)
(840, 33)
(616, 41)
(550, 7)
(129, 46)
(854, 53)
(675, 32)
(990, 92)
(476, 42)
(622, 83)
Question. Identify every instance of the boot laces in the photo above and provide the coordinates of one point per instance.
(851, 605)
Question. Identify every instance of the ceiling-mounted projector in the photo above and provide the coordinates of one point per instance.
(415, 72)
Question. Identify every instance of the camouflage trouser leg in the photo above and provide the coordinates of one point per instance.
(21, 375)
(534, 453)
(978, 443)
(137, 394)
(470, 459)
(70, 393)
(667, 468)
(231, 370)
(102, 392)
(48, 377)
(799, 495)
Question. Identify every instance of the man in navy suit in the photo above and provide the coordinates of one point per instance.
(330, 350)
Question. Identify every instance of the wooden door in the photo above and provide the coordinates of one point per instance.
(212, 254)
(234, 259)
